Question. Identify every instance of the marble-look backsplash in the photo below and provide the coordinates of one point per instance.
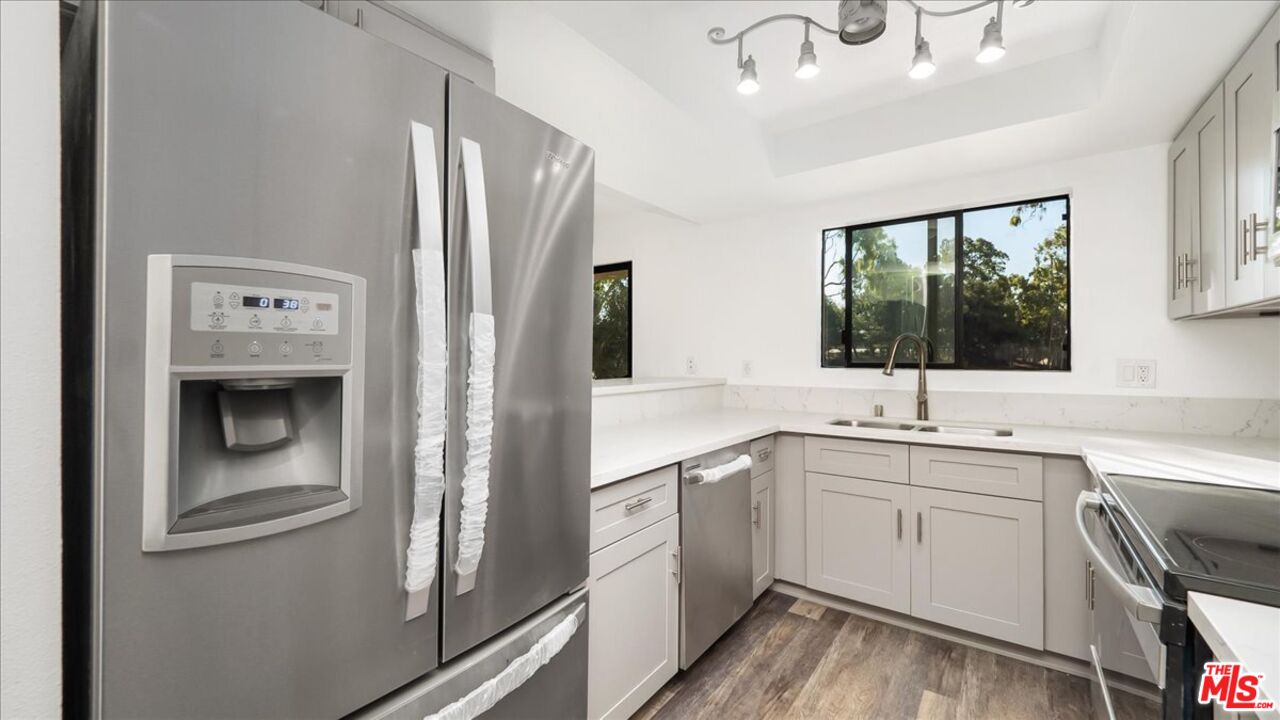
(608, 410)
(1202, 416)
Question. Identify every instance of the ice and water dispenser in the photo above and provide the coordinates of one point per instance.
(254, 398)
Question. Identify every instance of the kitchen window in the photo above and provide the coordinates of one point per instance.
(611, 330)
(1002, 302)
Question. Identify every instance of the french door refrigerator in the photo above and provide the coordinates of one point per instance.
(327, 383)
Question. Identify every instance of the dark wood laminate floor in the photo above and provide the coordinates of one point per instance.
(791, 658)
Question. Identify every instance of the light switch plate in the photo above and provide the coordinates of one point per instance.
(1136, 373)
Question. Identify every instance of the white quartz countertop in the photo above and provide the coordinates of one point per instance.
(625, 386)
(621, 451)
(1242, 632)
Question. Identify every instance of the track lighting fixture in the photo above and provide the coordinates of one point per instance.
(860, 22)
(807, 65)
(922, 64)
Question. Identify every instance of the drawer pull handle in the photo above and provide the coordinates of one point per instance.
(899, 523)
(637, 504)
(764, 454)
(919, 528)
(755, 514)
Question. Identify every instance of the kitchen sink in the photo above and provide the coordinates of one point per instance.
(912, 427)
(874, 424)
(954, 430)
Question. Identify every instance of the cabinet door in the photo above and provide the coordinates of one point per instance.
(1249, 92)
(634, 643)
(762, 533)
(1183, 194)
(1206, 271)
(977, 564)
(857, 540)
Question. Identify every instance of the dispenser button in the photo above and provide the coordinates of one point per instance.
(217, 319)
(317, 324)
(255, 348)
(215, 350)
(255, 321)
(286, 322)
(217, 300)
(286, 349)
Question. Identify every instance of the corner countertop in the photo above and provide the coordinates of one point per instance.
(622, 451)
(1242, 632)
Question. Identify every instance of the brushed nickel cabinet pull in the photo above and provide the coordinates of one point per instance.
(755, 514)
(636, 504)
(1242, 250)
(360, 18)
(1259, 226)
(899, 523)
(1178, 272)
(919, 527)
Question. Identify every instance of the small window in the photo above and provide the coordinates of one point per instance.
(611, 333)
(1001, 303)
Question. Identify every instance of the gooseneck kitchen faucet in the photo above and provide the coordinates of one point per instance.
(922, 394)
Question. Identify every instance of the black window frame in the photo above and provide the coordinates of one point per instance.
(631, 281)
(957, 214)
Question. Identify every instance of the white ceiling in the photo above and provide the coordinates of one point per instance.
(640, 82)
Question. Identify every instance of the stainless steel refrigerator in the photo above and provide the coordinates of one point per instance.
(249, 185)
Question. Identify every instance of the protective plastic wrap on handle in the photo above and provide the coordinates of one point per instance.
(719, 472)
(514, 674)
(432, 376)
(475, 480)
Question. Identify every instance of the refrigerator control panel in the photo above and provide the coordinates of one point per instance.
(222, 307)
(254, 316)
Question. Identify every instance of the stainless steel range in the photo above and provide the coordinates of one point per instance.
(1151, 541)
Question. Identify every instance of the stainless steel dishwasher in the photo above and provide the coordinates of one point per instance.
(715, 542)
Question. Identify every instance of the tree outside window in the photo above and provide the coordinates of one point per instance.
(611, 332)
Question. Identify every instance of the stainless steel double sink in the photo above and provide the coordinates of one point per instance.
(923, 427)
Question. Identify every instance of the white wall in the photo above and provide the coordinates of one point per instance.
(747, 289)
(30, 482)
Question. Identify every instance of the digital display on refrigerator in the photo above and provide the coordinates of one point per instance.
(286, 303)
(256, 301)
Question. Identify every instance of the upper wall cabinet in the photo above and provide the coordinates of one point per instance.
(1222, 193)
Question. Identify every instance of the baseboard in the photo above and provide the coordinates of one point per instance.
(1045, 659)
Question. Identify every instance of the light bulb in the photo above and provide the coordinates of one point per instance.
(922, 64)
(807, 65)
(991, 48)
(748, 84)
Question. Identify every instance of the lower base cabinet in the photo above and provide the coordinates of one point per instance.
(856, 546)
(634, 620)
(762, 540)
(977, 563)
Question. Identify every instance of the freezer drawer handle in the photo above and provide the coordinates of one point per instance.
(428, 449)
(516, 673)
(480, 374)
(719, 472)
(1139, 601)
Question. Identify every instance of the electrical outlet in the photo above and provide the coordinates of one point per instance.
(746, 368)
(1136, 373)
(690, 366)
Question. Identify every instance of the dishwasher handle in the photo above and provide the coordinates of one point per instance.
(1138, 600)
(708, 476)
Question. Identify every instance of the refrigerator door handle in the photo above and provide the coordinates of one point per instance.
(480, 374)
(432, 380)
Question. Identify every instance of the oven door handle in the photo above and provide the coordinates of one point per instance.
(1140, 601)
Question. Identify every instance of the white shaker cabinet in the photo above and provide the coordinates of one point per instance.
(977, 563)
(762, 532)
(857, 545)
(1249, 92)
(1197, 197)
(633, 643)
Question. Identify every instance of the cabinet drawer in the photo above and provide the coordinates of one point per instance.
(978, 471)
(856, 458)
(761, 456)
(635, 503)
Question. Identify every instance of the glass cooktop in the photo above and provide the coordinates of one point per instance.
(1211, 538)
